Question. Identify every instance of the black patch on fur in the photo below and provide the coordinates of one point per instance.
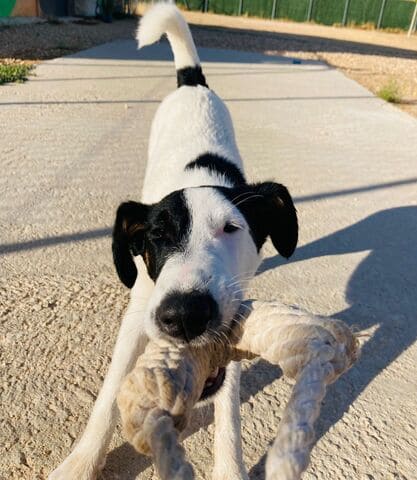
(127, 237)
(191, 76)
(167, 231)
(155, 232)
(217, 164)
(269, 211)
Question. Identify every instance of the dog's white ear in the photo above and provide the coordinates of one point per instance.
(128, 239)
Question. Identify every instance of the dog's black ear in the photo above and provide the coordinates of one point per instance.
(280, 216)
(269, 210)
(128, 239)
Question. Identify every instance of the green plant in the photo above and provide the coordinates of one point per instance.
(390, 92)
(14, 72)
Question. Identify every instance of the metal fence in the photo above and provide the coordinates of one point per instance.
(379, 13)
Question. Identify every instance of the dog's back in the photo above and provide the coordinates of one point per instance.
(192, 139)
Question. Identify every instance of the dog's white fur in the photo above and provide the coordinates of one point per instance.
(165, 18)
(190, 121)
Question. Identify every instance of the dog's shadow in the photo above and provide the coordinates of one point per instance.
(380, 293)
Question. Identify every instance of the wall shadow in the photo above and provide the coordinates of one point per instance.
(226, 100)
(57, 240)
(267, 264)
(126, 50)
(224, 73)
(210, 36)
(352, 191)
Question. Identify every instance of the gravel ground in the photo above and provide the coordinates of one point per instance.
(50, 40)
(374, 59)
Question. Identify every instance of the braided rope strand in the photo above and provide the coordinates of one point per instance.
(168, 453)
(314, 351)
(289, 455)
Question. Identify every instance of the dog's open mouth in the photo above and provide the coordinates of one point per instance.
(213, 383)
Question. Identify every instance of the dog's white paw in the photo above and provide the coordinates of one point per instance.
(79, 465)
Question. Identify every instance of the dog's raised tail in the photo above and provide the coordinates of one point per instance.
(166, 18)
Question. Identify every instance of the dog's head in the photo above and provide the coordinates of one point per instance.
(201, 246)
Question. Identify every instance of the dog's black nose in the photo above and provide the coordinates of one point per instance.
(186, 315)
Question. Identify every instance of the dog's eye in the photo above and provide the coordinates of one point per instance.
(230, 228)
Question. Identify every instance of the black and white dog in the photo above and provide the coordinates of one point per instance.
(189, 248)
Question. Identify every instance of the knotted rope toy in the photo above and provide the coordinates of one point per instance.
(157, 397)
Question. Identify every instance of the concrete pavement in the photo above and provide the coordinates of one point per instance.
(73, 146)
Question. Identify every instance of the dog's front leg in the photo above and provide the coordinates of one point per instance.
(88, 456)
(228, 458)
